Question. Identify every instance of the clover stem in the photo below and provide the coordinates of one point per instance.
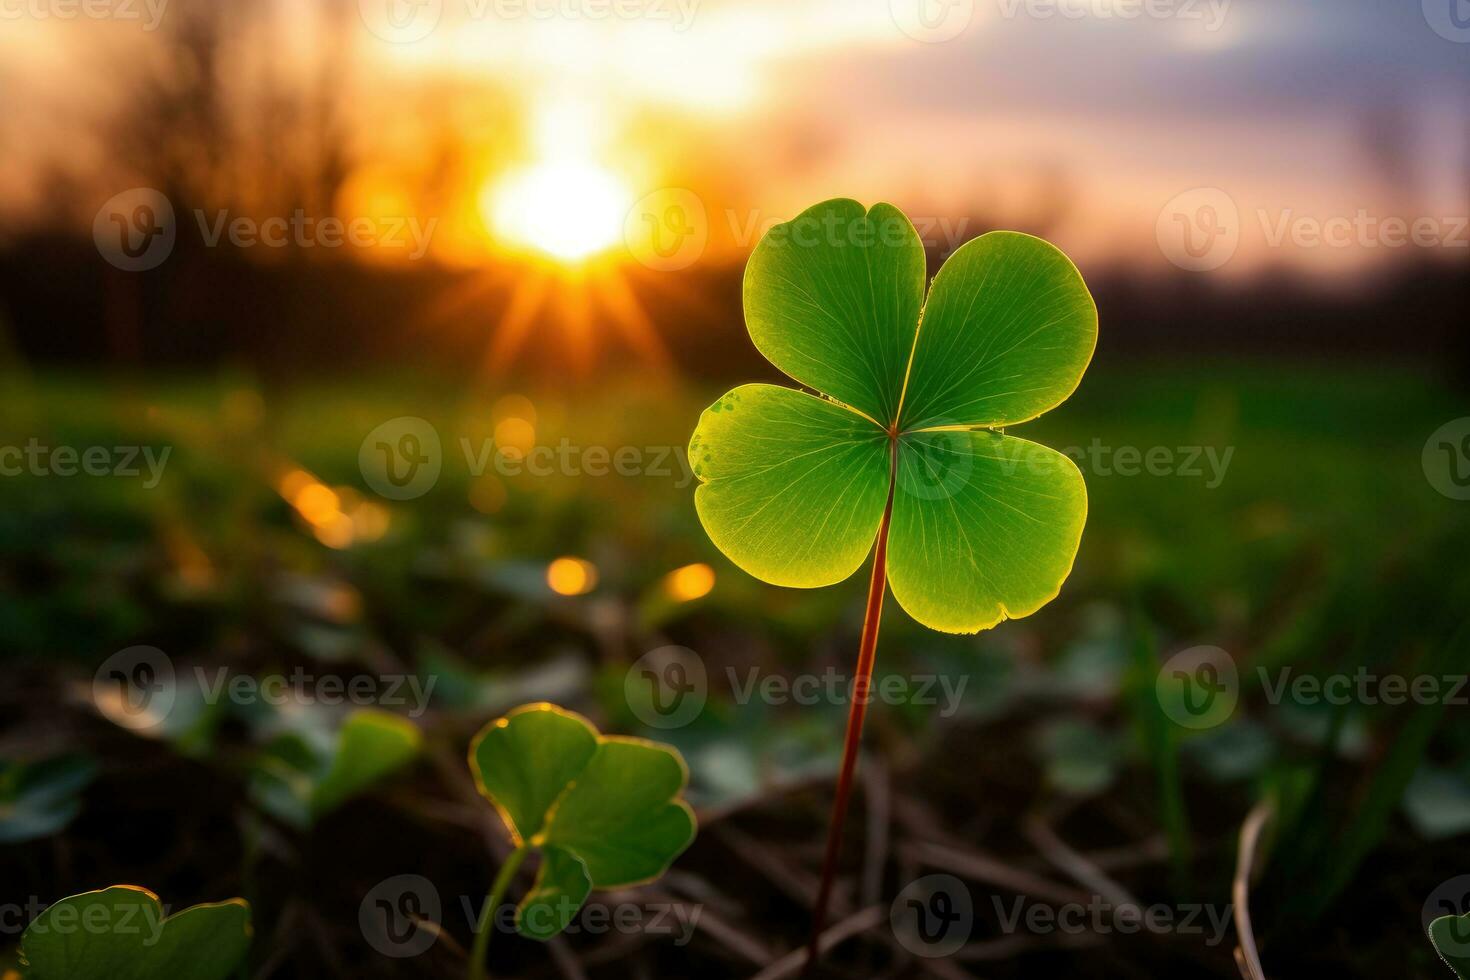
(486, 926)
(861, 686)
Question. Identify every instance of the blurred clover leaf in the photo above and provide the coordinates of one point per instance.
(39, 799)
(121, 933)
(913, 397)
(603, 811)
(1451, 937)
(304, 775)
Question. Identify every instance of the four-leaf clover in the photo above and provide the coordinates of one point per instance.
(906, 433)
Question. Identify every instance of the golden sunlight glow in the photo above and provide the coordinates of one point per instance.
(571, 576)
(339, 517)
(568, 210)
(690, 582)
(514, 438)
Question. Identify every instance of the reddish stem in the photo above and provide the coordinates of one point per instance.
(861, 685)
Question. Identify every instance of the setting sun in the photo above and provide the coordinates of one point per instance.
(566, 210)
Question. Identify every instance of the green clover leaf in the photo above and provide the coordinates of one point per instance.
(914, 393)
(304, 775)
(603, 811)
(1450, 935)
(121, 933)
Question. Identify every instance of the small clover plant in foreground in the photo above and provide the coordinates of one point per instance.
(1450, 935)
(901, 451)
(121, 933)
(601, 810)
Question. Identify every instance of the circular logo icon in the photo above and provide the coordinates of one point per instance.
(134, 688)
(1450, 19)
(1198, 687)
(940, 464)
(1199, 230)
(667, 230)
(400, 21)
(1452, 897)
(401, 458)
(933, 916)
(1446, 459)
(135, 230)
(932, 21)
(667, 687)
(393, 914)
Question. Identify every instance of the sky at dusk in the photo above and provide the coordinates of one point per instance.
(1085, 119)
